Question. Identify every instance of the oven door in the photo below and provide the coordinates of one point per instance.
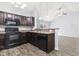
(12, 39)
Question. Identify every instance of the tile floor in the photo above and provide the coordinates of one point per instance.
(68, 47)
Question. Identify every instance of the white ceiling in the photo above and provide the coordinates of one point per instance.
(41, 8)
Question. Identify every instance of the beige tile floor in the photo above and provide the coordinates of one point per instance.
(68, 47)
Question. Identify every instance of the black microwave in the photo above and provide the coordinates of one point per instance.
(12, 22)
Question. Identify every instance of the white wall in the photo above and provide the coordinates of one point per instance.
(68, 24)
(78, 27)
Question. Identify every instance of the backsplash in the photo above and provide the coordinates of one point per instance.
(2, 28)
(25, 28)
(43, 24)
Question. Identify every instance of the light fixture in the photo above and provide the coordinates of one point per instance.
(40, 18)
(23, 6)
(12, 2)
(16, 6)
(18, 3)
(47, 16)
(47, 12)
(62, 10)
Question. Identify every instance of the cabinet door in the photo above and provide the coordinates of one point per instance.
(1, 18)
(42, 42)
(17, 17)
(23, 21)
(23, 37)
(30, 21)
(8, 15)
(32, 38)
(1, 41)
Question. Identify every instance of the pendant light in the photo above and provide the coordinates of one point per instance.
(47, 11)
(40, 18)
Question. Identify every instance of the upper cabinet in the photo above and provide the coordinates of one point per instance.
(24, 21)
(17, 17)
(27, 21)
(1, 18)
(30, 21)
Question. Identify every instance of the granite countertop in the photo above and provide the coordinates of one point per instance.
(35, 31)
(2, 32)
(43, 31)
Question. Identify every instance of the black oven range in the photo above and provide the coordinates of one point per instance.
(12, 36)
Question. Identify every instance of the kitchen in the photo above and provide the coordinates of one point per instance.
(27, 28)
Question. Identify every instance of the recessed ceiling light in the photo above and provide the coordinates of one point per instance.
(47, 16)
(16, 6)
(18, 2)
(12, 2)
(23, 6)
(40, 18)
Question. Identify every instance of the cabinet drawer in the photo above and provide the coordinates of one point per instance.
(42, 36)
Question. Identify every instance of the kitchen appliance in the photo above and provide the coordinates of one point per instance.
(12, 22)
(12, 36)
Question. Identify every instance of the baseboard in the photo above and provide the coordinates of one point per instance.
(56, 48)
(69, 36)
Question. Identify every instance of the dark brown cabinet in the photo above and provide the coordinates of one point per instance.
(24, 21)
(17, 17)
(1, 18)
(32, 38)
(23, 37)
(8, 15)
(27, 21)
(44, 42)
(1, 41)
(30, 21)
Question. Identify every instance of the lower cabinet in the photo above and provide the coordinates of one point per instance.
(1, 41)
(23, 37)
(44, 42)
(32, 38)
